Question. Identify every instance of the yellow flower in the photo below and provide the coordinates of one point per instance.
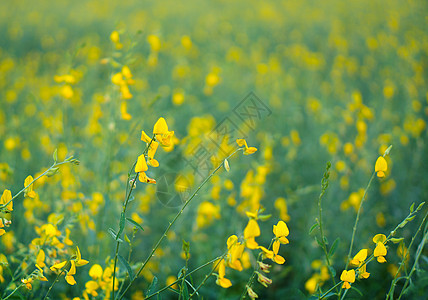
(251, 231)
(162, 134)
(75, 262)
(359, 258)
(221, 280)
(27, 283)
(273, 254)
(5, 198)
(381, 166)
(380, 250)
(247, 150)
(29, 190)
(362, 273)
(141, 165)
(40, 260)
(281, 231)
(347, 277)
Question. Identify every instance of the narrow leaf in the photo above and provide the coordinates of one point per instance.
(313, 227)
(134, 223)
(152, 286)
(126, 265)
(334, 247)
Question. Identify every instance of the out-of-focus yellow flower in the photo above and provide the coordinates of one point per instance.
(75, 262)
(247, 150)
(381, 166)
(347, 277)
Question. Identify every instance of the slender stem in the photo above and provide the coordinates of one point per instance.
(35, 179)
(172, 223)
(125, 205)
(332, 288)
(418, 254)
(13, 292)
(56, 279)
(357, 219)
(208, 275)
(187, 275)
(324, 186)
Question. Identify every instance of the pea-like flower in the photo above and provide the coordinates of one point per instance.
(247, 150)
(347, 277)
(380, 250)
(381, 166)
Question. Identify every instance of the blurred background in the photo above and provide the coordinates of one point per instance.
(305, 82)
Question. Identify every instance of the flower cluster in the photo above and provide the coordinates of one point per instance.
(161, 135)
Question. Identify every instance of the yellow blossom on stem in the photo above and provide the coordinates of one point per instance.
(74, 262)
(381, 166)
(380, 250)
(281, 232)
(251, 231)
(359, 258)
(29, 190)
(141, 165)
(5, 198)
(27, 283)
(347, 277)
(221, 280)
(40, 260)
(273, 254)
(362, 272)
(163, 135)
(247, 150)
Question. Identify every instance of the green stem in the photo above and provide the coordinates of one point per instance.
(187, 275)
(37, 178)
(13, 292)
(124, 207)
(208, 275)
(56, 280)
(172, 223)
(332, 288)
(418, 254)
(357, 219)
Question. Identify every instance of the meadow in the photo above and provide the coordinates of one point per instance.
(213, 149)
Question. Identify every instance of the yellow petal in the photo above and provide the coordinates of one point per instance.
(145, 137)
(96, 271)
(141, 165)
(224, 282)
(242, 142)
(279, 259)
(381, 259)
(250, 150)
(72, 270)
(252, 229)
(81, 262)
(275, 247)
(40, 260)
(251, 243)
(380, 250)
(381, 164)
(58, 266)
(280, 229)
(160, 127)
(379, 238)
(231, 241)
(70, 280)
(361, 256)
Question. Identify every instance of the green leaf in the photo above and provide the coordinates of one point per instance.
(324, 238)
(334, 247)
(55, 155)
(114, 235)
(420, 206)
(152, 286)
(134, 223)
(396, 241)
(265, 217)
(411, 218)
(332, 271)
(184, 291)
(313, 227)
(126, 265)
(357, 290)
(121, 224)
(319, 242)
(412, 207)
